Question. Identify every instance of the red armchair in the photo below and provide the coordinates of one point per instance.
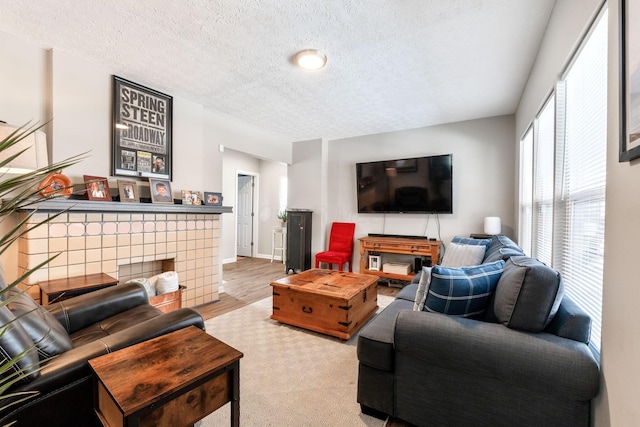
(340, 246)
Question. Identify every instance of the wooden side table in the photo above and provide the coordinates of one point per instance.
(282, 232)
(173, 380)
(59, 289)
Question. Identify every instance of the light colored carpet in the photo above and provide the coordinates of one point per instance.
(290, 376)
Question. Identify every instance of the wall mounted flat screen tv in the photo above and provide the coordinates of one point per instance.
(416, 185)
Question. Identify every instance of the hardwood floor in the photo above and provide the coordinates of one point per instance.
(247, 281)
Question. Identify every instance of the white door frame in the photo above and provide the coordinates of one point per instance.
(254, 220)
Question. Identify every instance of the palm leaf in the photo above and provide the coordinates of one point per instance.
(18, 192)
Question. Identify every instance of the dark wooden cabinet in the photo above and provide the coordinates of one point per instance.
(298, 240)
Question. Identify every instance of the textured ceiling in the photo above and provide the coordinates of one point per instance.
(392, 64)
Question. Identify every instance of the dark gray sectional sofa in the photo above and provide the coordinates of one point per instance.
(524, 362)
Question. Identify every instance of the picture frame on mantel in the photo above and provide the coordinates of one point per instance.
(128, 191)
(629, 26)
(142, 131)
(160, 190)
(97, 188)
(212, 199)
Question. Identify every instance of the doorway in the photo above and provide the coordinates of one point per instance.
(245, 224)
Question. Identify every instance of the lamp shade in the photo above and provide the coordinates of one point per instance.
(35, 156)
(492, 225)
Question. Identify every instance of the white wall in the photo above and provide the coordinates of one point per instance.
(483, 152)
(268, 175)
(23, 98)
(81, 111)
(21, 63)
(308, 184)
(620, 348)
(618, 401)
(38, 84)
(246, 139)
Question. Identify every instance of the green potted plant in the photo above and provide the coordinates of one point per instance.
(17, 191)
(282, 216)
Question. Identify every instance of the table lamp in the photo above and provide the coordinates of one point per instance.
(492, 225)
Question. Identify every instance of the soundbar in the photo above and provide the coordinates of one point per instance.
(402, 236)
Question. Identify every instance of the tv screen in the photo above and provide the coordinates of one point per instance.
(416, 185)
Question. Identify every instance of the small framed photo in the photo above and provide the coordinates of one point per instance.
(196, 198)
(97, 188)
(190, 197)
(128, 191)
(186, 197)
(212, 199)
(160, 190)
(374, 262)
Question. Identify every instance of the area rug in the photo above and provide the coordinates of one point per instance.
(290, 376)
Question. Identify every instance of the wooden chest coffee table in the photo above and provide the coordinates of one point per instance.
(331, 302)
(171, 381)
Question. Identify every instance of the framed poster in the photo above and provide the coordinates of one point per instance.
(142, 131)
(629, 80)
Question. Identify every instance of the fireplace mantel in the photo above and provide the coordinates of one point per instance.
(124, 240)
(76, 205)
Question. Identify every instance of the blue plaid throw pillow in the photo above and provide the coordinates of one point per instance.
(469, 241)
(463, 291)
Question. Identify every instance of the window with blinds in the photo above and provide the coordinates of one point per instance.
(565, 177)
(543, 183)
(526, 192)
(581, 177)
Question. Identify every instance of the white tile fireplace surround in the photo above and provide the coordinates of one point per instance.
(125, 240)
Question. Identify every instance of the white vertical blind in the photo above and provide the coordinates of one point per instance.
(543, 183)
(580, 203)
(565, 224)
(526, 191)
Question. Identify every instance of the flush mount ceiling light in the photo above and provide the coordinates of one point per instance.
(310, 59)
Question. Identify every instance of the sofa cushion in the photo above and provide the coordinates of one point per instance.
(375, 340)
(506, 253)
(470, 241)
(528, 294)
(47, 333)
(408, 292)
(571, 322)
(499, 242)
(458, 255)
(423, 285)
(16, 343)
(463, 291)
(113, 324)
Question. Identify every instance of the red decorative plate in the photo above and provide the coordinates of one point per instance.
(56, 184)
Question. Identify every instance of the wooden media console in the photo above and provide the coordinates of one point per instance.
(396, 245)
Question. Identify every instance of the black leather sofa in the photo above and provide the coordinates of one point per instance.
(66, 335)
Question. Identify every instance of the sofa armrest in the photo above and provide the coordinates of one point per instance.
(538, 361)
(84, 310)
(73, 365)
